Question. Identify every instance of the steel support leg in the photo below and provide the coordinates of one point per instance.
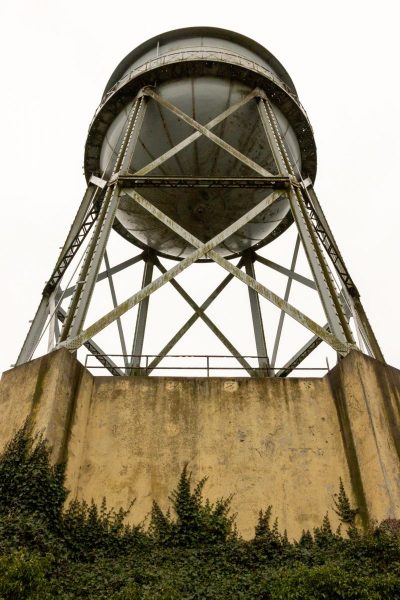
(259, 334)
(80, 301)
(94, 254)
(81, 226)
(53, 325)
(324, 232)
(76, 234)
(332, 248)
(35, 331)
(366, 330)
(330, 301)
(140, 328)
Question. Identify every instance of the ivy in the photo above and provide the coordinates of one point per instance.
(29, 483)
(197, 520)
(23, 576)
(90, 532)
(343, 509)
(50, 550)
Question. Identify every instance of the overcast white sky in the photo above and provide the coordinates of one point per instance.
(57, 55)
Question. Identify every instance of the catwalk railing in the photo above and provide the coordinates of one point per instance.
(204, 365)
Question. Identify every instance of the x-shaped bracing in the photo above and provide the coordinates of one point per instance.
(205, 130)
(201, 130)
(207, 249)
(199, 313)
(202, 250)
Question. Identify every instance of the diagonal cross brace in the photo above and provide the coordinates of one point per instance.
(186, 326)
(290, 273)
(97, 352)
(202, 250)
(112, 271)
(195, 136)
(286, 297)
(207, 133)
(343, 348)
(200, 313)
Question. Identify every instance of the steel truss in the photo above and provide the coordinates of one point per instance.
(97, 212)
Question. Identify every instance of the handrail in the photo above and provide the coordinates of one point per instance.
(204, 54)
(208, 367)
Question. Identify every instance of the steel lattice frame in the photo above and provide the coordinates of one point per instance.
(97, 212)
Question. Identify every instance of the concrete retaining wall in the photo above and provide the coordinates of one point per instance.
(284, 442)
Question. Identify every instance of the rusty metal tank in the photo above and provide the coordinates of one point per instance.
(202, 71)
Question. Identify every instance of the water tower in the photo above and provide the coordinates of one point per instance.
(200, 151)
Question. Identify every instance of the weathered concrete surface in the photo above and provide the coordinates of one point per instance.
(283, 442)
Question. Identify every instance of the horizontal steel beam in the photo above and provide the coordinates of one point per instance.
(133, 181)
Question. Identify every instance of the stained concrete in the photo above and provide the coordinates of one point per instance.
(284, 442)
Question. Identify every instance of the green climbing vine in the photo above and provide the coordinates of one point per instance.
(191, 551)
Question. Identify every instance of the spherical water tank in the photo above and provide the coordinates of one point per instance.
(202, 71)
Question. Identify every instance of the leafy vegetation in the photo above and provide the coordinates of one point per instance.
(197, 520)
(192, 551)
